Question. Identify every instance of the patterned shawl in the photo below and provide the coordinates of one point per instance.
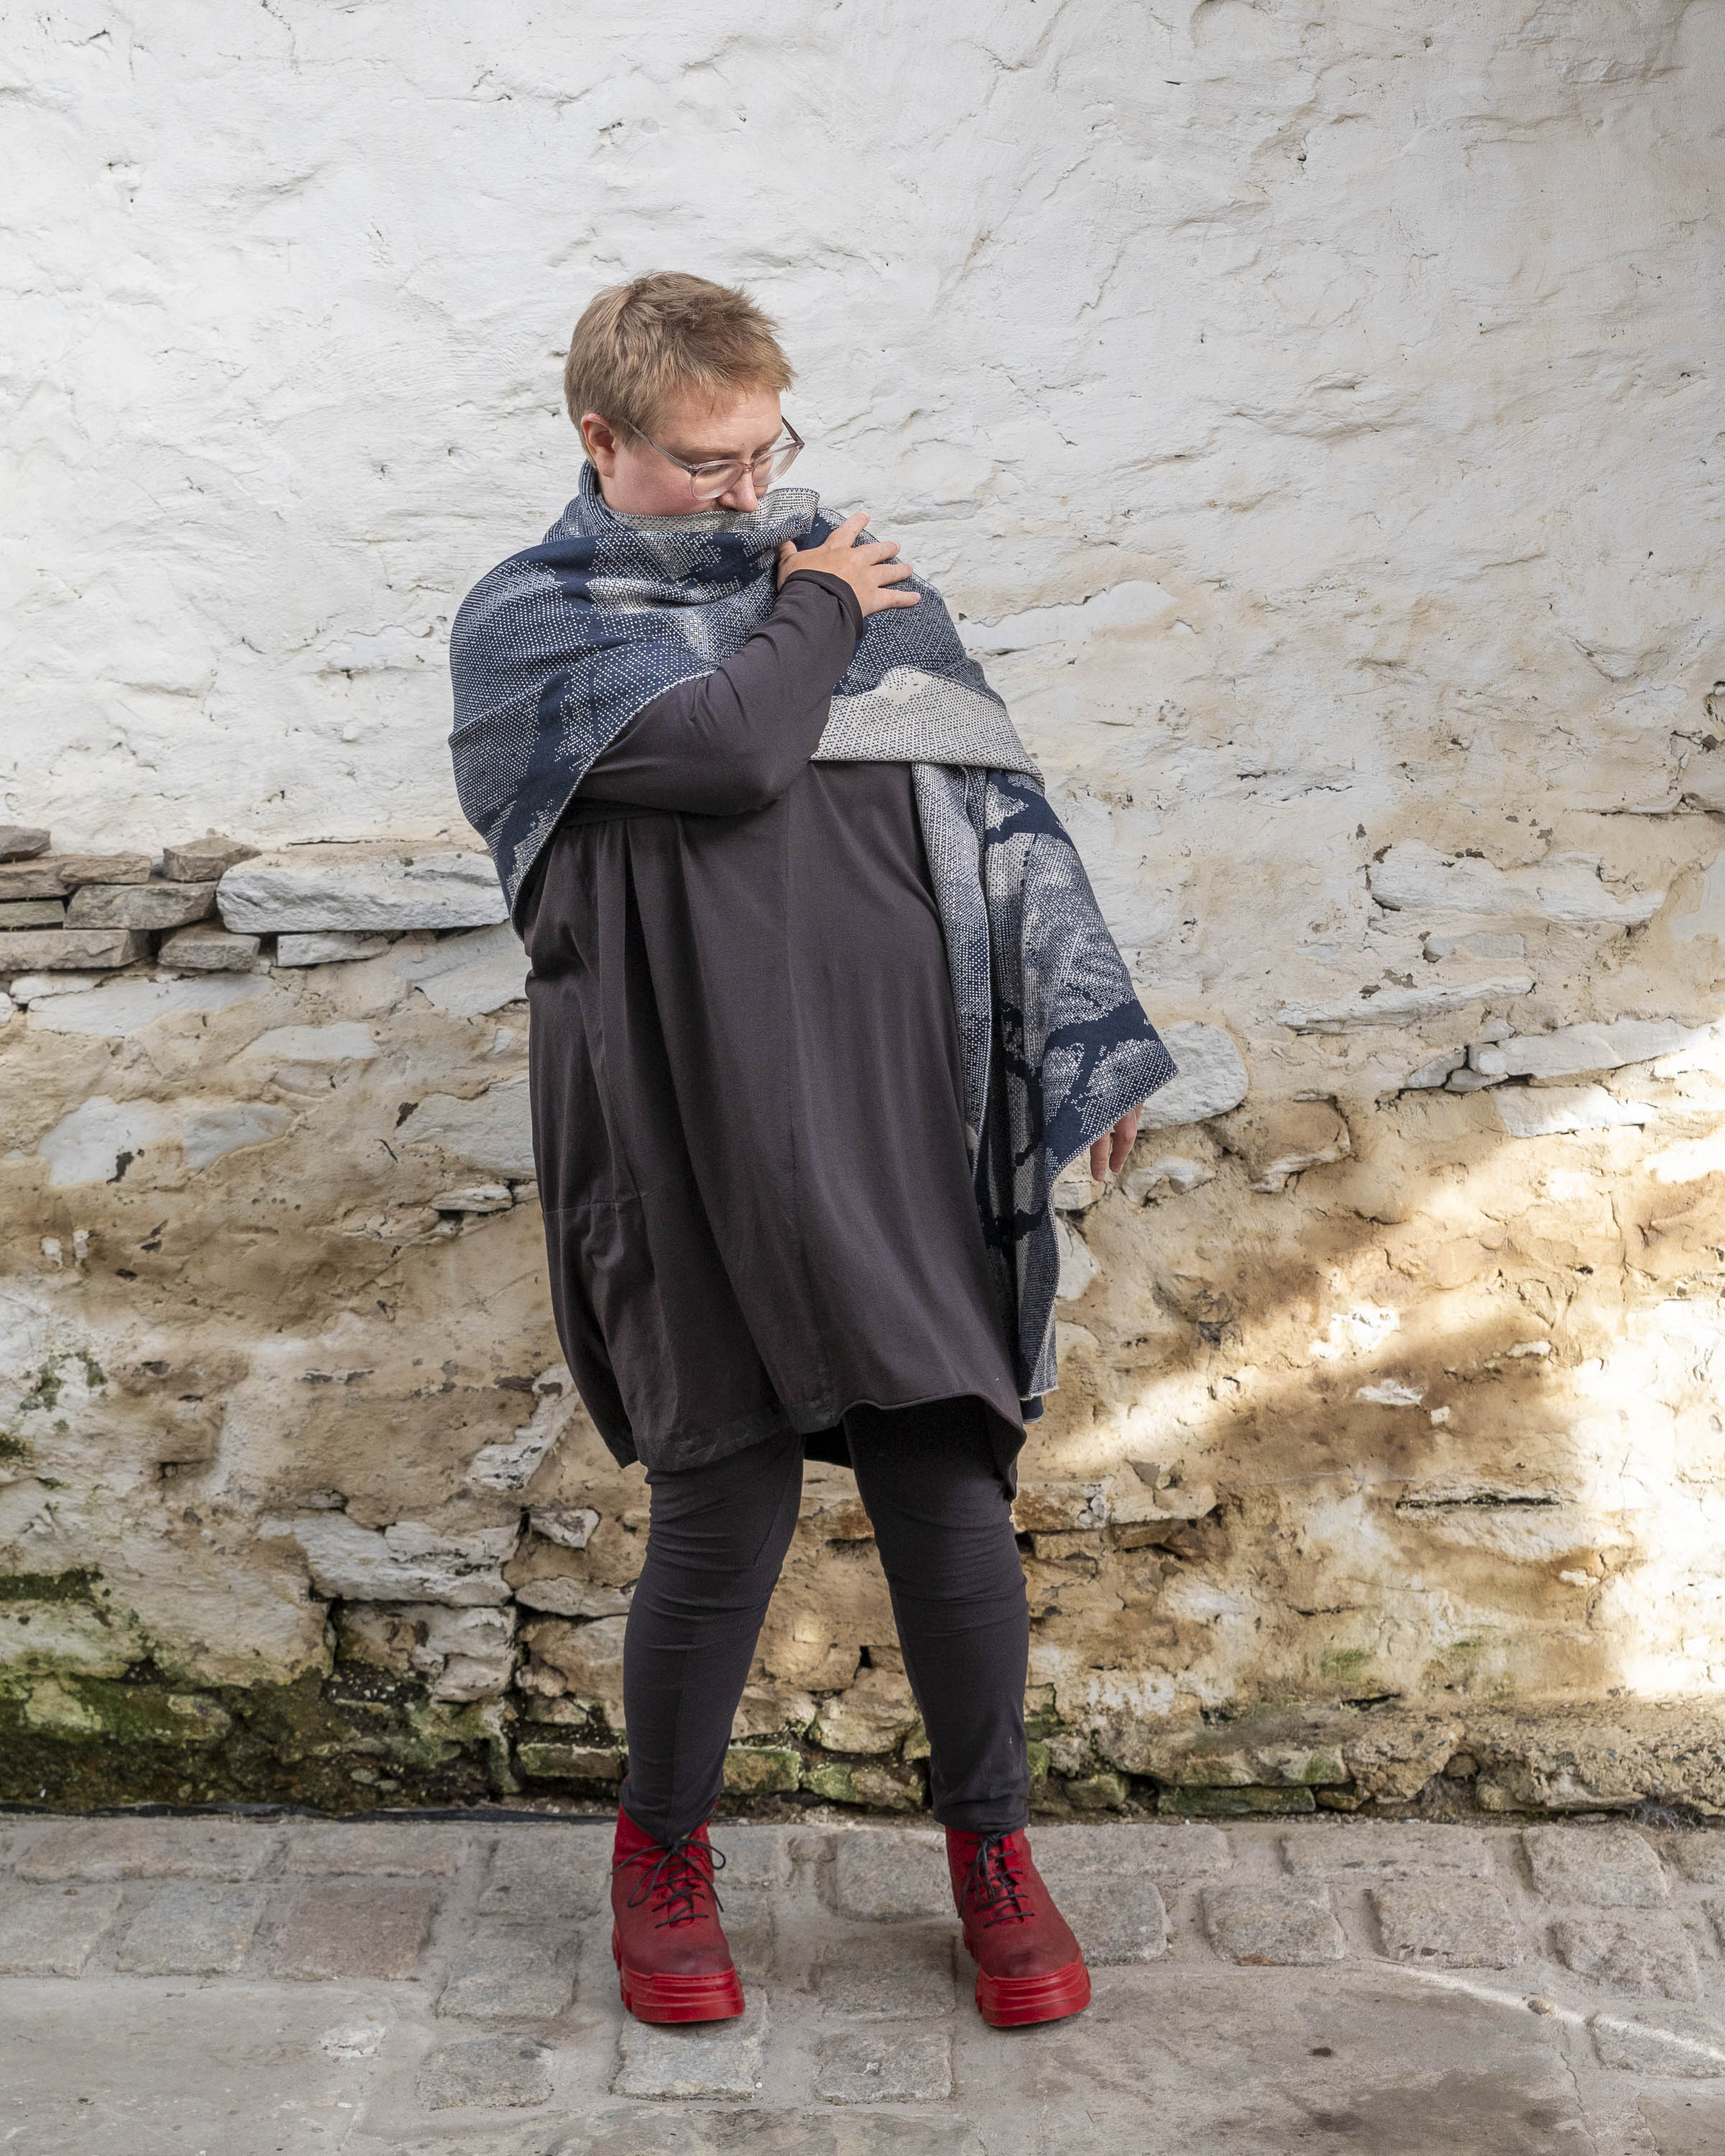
(556, 650)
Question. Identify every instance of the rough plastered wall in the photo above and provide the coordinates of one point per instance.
(1309, 407)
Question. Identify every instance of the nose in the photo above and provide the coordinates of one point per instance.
(741, 496)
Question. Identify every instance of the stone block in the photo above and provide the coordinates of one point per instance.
(494, 1131)
(698, 2059)
(1247, 1802)
(362, 886)
(1272, 1927)
(586, 1660)
(872, 1783)
(884, 1875)
(53, 1931)
(471, 975)
(390, 1850)
(1416, 878)
(900, 1975)
(1699, 1855)
(113, 1008)
(650, 2129)
(1381, 1845)
(758, 1859)
(151, 1849)
(1097, 1792)
(543, 1761)
(872, 1717)
(1542, 1112)
(549, 1871)
(22, 842)
(191, 1930)
(328, 947)
(31, 880)
(203, 861)
(885, 2066)
(32, 913)
(1571, 1051)
(1171, 1853)
(1209, 1077)
(406, 1562)
(1648, 1951)
(761, 1770)
(1373, 1005)
(1117, 1921)
(143, 906)
(1447, 1923)
(1606, 1867)
(1669, 2041)
(355, 1927)
(206, 948)
(503, 1973)
(492, 2072)
(27, 950)
(77, 869)
(462, 1653)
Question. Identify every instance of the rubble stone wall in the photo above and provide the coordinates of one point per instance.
(1308, 411)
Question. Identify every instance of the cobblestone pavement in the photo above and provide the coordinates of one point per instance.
(228, 1987)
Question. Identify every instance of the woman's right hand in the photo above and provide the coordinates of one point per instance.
(870, 571)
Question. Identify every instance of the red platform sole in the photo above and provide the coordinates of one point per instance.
(709, 1995)
(1013, 2002)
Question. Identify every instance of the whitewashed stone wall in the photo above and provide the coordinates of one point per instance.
(1309, 412)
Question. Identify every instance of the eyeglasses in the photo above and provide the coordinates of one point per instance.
(708, 481)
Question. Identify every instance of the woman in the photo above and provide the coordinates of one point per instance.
(821, 1003)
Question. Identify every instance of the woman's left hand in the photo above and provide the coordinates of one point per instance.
(1109, 1154)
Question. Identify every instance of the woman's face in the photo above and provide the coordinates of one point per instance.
(634, 478)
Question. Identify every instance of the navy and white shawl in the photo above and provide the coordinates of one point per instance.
(556, 650)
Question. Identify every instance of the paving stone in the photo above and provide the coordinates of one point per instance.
(549, 1871)
(1609, 1867)
(1117, 1921)
(873, 1976)
(698, 2059)
(1699, 1856)
(53, 1931)
(1363, 1846)
(498, 2072)
(508, 1971)
(151, 1849)
(651, 2130)
(758, 1859)
(191, 1930)
(1170, 1852)
(1649, 1952)
(1272, 1926)
(890, 1875)
(1667, 2041)
(885, 2066)
(354, 1927)
(1689, 2124)
(388, 1851)
(1446, 1923)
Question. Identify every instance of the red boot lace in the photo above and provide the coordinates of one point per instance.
(993, 1880)
(677, 1880)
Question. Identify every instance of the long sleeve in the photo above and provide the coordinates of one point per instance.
(733, 740)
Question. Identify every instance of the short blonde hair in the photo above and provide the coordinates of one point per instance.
(637, 343)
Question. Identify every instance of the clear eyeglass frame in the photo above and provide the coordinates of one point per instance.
(708, 481)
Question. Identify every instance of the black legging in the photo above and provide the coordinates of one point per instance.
(931, 1484)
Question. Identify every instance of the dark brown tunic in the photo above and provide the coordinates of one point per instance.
(747, 1092)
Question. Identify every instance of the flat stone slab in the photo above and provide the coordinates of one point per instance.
(50, 950)
(1361, 1847)
(1272, 1926)
(143, 906)
(190, 1930)
(900, 1975)
(1607, 1868)
(203, 861)
(471, 975)
(699, 2058)
(890, 1875)
(549, 1871)
(488, 2072)
(75, 869)
(888, 2065)
(436, 886)
(1646, 1951)
(1698, 1857)
(1116, 1921)
(1446, 1922)
(329, 947)
(355, 1928)
(151, 1849)
(21, 842)
(53, 1931)
(508, 1972)
(1661, 2041)
(206, 948)
(1171, 1853)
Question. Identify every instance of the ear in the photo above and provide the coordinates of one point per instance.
(603, 445)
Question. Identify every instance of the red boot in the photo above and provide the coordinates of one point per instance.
(666, 1941)
(1029, 1967)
